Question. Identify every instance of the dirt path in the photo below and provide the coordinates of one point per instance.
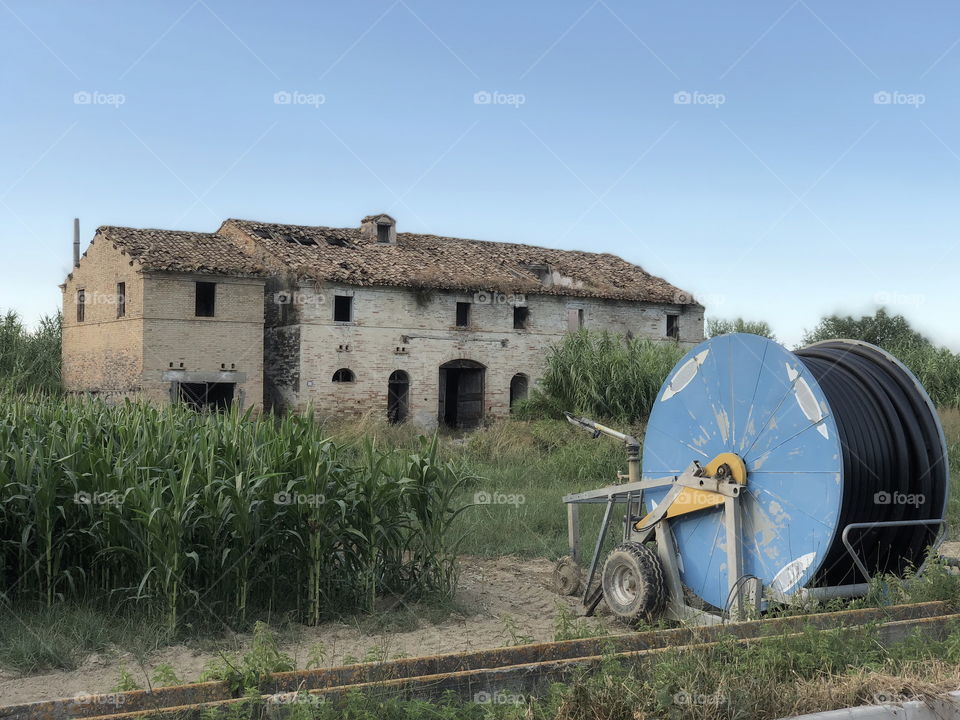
(492, 589)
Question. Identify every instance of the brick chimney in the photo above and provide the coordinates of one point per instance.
(76, 242)
(381, 229)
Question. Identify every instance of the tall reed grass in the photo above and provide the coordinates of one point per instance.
(215, 515)
(29, 359)
(604, 375)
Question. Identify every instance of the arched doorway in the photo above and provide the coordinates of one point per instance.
(519, 385)
(461, 394)
(398, 396)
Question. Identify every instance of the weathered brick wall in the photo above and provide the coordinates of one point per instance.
(104, 353)
(398, 329)
(175, 339)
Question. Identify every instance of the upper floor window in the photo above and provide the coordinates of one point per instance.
(121, 299)
(342, 308)
(81, 304)
(574, 319)
(206, 299)
(520, 316)
(463, 314)
(673, 326)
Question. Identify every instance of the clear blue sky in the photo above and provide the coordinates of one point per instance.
(783, 190)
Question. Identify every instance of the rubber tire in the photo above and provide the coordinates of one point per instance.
(650, 591)
(567, 576)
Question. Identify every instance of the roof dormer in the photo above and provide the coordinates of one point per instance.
(381, 229)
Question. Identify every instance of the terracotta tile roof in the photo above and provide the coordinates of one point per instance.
(430, 261)
(181, 251)
(249, 248)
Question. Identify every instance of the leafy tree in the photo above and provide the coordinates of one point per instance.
(888, 331)
(721, 326)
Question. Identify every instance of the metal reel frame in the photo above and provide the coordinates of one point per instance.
(746, 595)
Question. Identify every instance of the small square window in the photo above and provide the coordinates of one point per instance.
(673, 326)
(463, 314)
(520, 317)
(383, 234)
(81, 305)
(206, 299)
(121, 299)
(342, 308)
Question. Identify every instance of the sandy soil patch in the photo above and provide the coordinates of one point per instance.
(490, 589)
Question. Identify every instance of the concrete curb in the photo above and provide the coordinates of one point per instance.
(941, 708)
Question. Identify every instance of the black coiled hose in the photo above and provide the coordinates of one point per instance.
(894, 460)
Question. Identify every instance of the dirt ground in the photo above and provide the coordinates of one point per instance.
(500, 596)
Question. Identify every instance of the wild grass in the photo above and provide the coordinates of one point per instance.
(773, 677)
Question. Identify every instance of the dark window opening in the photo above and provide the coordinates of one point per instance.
(398, 396)
(344, 375)
(342, 308)
(383, 233)
(519, 384)
(673, 326)
(461, 394)
(206, 299)
(520, 316)
(81, 305)
(463, 314)
(121, 299)
(207, 395)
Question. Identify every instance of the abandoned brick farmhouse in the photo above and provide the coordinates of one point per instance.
(420, 327)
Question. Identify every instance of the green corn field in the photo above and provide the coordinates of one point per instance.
(218, 515)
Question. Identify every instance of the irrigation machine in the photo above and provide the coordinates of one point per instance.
(768, 476)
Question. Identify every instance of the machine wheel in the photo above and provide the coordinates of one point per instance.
(633, 584)
(567, 576)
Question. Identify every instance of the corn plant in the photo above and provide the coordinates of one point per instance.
(214, 515)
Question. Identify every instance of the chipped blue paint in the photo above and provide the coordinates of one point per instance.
(746, 394)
